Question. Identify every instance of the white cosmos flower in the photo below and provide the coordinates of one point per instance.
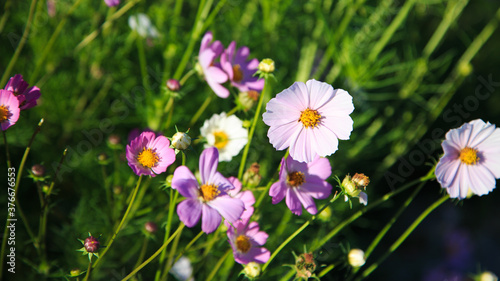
(226, 133)
(143, 26)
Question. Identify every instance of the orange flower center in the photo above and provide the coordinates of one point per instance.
(469, 156)
(237, 73)
(253, 95)
(4, 113)
(243, 243)
(295, 179)
(148, 158)
(309, 118)
(209, 191)
(221, 139)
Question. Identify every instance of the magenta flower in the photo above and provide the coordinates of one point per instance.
(309, 118)
(245, 196)
(9, 109)
(210, 200)
(212, 72)
(301, 182)
(27, 96)
(239, 70)
(471, 159)
(149, 155)
(136, 132)
(246, 241)
(112, 3)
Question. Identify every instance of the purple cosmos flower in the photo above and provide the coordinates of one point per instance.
(149, 155)
(9, 109)
(471, 159)
(239, 70)
(27, 96)
(301, 182)
(136, 132)
(212, 72)
(245, 196)
(309, 118)
(112, 3)
(246, 241)
(210, 200)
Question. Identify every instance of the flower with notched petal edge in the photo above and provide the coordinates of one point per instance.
(471, 160)
(211, 70)
(149, 155)
(239, 70)
(246, 241)
(27, 96)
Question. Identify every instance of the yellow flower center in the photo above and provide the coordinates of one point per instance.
(221, 139)
(295, 179)
(469, 156)
(4, 113)
(309, 118)
(237, 73)
(243, 243)
(208, 192)
(148, 158)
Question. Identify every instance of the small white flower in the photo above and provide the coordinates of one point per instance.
(488, 276)
(141, 24)
(356, 257)
(182, 269)
(226, 133)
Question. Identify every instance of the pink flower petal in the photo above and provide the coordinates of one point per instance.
(307, 202)
(189, 211)
(292, 202)
(230, 208)
(185, 182)
(209, 160)
(210, 219)
(319, 93)
(278, 191)
(482, 180)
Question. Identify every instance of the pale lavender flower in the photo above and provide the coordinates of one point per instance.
(150, 155)
(245, 196)
(9, 109)
(27, 96)
(212, 72)
(301, 182)
(309, 118)
(210, 200)
(246, 241)
(471, 159)
(239, 70)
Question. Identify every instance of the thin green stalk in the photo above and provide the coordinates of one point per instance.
(52, 40)
(218, 265)
(5, 15)
(252, 130)
(7, 154)
(403, 236)
(169, 266)
(20, 46)
(170, 259)
(89, 269)
(108, 246)
(146, 262)
(201, 110)
(142, 63)
(171, 211)
(389, 224)
(143, 252)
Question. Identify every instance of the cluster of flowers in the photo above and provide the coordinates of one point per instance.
(16, 96)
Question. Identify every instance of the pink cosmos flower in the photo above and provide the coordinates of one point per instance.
(245, 196)
(149, 155)
(112, 3)
(309, 118)
(471, 159)
(27, 96)
(136, 132)
(246, 241)
(210, 200)
(9, 109)
(239, 70)
(212, 72)
(301, 182)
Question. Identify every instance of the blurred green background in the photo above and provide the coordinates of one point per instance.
(415, 70)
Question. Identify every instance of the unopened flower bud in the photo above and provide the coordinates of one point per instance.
(181, 141)
(114, 139)
(488, 276)
(75, 272)
(252, 270)
(91, 244)
(356, 257)
(102, 157)
(151, 227)
(117, 190)
(248, 99)
(173, 85)
(168, 180)
(352, 187)
(266, 66)
(360, 180)
(464, 68)
(251, 177)
(38, 170)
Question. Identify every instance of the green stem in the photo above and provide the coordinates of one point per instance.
(131, 274)
(20, 46)
(142, 63)
(108, 246)
(185, 249)
(403, 236)
(89, 269)
(187, 76)
(9, 164)
(170, 259)
(252, 130)
(171, 210)
(143, 252)
(218, 265)
(200, 110)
